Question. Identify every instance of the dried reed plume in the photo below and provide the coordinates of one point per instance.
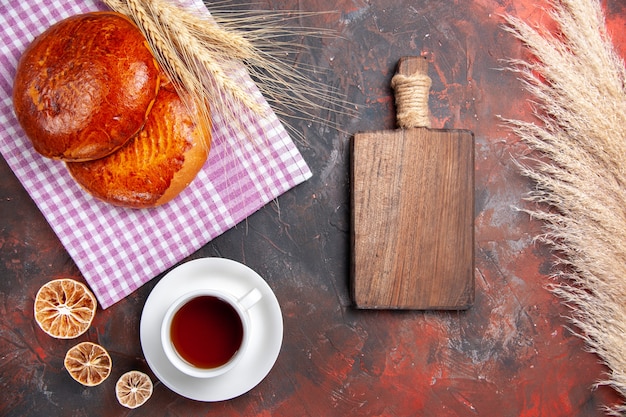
(578, 82)
(205, 56)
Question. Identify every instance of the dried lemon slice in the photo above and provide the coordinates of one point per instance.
(88, 363)
(133, 389)
(64, 308)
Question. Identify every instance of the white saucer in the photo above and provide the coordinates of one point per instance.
(266, 328)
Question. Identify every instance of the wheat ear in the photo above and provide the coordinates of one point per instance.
(204, 56)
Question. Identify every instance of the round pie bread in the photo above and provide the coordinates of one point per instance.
(154, 166)
(84, 87)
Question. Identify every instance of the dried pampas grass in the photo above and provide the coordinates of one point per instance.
(579, 83)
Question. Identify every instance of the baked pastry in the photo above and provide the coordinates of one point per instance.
(154, 166)
(83, 88)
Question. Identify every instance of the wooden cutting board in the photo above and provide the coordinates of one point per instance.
(412, 193)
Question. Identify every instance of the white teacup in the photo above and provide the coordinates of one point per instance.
(206, 332)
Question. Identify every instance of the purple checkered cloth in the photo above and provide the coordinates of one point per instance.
(116, 249)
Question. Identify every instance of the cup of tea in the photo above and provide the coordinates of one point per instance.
(206, 332)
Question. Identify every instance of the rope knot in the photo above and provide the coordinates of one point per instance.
(411, 93)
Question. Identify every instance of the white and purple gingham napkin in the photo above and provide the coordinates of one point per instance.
(116, 249)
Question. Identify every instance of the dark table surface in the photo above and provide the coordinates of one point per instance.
(510, 354)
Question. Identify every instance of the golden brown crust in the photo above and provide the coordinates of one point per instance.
(156, 165)
(84, 87)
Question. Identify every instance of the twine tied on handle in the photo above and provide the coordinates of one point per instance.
(411, 86)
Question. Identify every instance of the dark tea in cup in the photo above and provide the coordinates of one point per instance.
(206, 331)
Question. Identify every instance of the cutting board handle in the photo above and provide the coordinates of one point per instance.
(411, 85)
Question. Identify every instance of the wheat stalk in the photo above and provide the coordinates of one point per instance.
(203, 56)
(195, 73)
(292, 92)
(579, 85)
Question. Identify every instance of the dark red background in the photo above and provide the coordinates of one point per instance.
(509, 355)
